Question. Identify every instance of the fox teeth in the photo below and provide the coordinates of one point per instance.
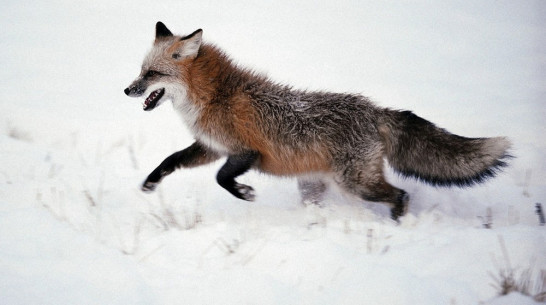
(152, 99)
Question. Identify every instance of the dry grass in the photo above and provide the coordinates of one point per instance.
(526, 282)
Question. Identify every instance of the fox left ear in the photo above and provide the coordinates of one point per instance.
(189, 45)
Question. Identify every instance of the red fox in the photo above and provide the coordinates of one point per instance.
(318, 137)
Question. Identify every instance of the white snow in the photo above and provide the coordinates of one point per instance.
(76, 229)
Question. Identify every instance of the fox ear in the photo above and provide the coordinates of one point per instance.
(189, 45)
(161, 30)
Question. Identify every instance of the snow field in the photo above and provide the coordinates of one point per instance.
(76, 228)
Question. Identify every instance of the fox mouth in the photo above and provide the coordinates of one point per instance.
(152, 99)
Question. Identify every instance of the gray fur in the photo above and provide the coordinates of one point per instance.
(359, 135)
(417, 148)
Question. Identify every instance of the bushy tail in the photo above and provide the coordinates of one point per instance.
(417, 148)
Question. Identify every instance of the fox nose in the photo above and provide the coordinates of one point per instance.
(127, 91)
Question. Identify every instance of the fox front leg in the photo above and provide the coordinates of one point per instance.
(195, 155)
(235, 166)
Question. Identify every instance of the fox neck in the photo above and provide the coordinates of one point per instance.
(203, 80)
(213, 77)
(208, 82)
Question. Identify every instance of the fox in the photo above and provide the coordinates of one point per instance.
(317, 137)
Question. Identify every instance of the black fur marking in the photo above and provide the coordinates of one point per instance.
(191, 35)
(191, 156)
(235, 166)
(460, 182)
(401, 205)
(161, 30)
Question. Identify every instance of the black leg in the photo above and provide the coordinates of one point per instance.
(400, 206)
(235, 166)
(192, 156)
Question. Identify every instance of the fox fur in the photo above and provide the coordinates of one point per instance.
(259, 124)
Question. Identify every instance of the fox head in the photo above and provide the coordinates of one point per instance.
(164, 67)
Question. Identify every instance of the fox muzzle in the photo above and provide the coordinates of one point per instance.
(136, 89)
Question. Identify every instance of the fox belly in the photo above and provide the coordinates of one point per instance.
(288, 162)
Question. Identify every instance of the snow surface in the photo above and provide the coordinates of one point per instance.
(75, 229)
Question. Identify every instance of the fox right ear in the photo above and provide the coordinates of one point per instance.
(161, 30)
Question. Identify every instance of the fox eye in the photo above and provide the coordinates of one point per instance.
(151, 73)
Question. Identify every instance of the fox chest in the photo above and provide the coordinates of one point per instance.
(208, 132)
(212, 143)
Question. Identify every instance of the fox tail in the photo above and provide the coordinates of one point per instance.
(416, 148)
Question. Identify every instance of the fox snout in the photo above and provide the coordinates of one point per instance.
(135, 89)
(139, 87)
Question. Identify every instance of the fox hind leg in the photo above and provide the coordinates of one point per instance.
(367, 182)
(311, 190)
(401, 205)
(235, 166)
(382, 191)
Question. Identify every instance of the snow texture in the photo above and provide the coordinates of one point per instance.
(76, 229)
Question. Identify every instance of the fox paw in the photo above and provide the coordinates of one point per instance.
(401, 207)
(397, 212)
(148, 186)
(245, 192)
